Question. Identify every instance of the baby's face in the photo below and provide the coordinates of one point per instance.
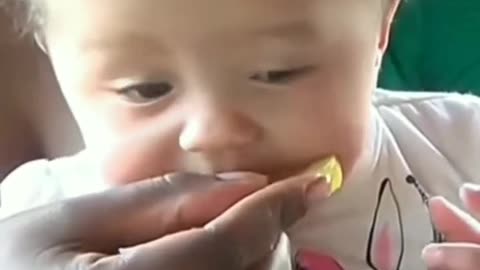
(211, 86)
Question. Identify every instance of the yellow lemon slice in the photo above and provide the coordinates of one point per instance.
(331, 170)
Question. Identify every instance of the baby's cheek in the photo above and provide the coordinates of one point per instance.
(350, 126)
(343, 136)
(352, 142)
(132, 162)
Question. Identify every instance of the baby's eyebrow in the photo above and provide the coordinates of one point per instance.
(297, 28)
(125, 40)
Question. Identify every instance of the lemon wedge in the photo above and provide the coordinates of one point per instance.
(331, 170)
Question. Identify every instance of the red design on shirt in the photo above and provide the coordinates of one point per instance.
(310, 260)
(383, 250)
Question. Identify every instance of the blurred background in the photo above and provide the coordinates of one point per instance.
(435, 46)
(34, 119)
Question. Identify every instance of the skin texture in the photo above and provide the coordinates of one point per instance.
(163, 223)
(224, 111)
(221, 116)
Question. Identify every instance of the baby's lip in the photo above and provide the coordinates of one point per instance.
(274, 175)
(274, 172)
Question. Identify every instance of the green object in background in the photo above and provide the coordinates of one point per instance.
(435, 45)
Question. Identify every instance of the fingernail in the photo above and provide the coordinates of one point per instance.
(433, 256)
(243, 176)
(318, 190)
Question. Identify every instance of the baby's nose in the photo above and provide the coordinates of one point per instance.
(217, 131)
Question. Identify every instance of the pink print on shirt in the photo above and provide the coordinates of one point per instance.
(385, 246)
(383, 255)
(310, 260)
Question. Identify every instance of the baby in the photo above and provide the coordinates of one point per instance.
(268, 86)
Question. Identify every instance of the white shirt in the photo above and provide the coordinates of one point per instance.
(433, 136)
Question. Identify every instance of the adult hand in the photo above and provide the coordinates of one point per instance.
(180, 221)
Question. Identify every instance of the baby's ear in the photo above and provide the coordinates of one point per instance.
(391, 9)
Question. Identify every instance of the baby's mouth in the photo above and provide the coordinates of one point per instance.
(329, 169)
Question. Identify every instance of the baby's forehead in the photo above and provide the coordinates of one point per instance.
(167, 26)
(190, 14)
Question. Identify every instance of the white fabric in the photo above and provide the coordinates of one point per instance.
(434, 136)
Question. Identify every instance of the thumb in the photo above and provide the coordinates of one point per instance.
(456, 224)
(239, 238)
(254, 225)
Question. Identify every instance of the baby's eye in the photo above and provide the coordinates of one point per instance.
(281, 76)
(146, 92)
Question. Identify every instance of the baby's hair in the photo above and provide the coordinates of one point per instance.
(30, 15)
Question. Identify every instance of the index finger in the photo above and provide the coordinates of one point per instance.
(254, 225)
